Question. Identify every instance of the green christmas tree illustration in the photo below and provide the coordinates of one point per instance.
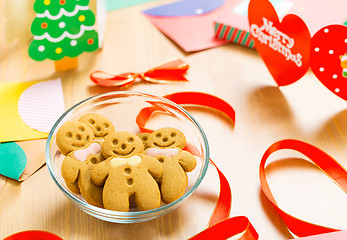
(62, 28)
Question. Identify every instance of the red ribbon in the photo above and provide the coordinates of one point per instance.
(172, 71)
(325, 162)
(202, 99)
(220, 226)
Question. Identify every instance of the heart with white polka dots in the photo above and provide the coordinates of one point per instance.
(328, 59)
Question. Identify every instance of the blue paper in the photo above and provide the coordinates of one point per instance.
(185, 8)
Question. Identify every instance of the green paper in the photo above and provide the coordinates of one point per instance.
(12, 160)
(116, 4)
(62, 28)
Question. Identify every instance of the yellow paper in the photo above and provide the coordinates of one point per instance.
(12, 127)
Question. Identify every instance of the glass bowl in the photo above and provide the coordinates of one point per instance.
(122, 109)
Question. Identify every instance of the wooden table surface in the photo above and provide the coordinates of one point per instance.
(265, 113)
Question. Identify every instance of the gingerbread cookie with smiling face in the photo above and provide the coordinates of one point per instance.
(143, 137)
(126, 172)
(122, 144)
(100, 125)
(76, 170)
(73, 135)
(166, 146)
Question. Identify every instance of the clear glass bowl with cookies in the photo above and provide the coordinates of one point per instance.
(127, 157)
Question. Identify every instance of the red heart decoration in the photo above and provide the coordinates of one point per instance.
(284, 46)
(329, 58)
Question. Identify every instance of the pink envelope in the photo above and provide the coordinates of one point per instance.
(192, 33)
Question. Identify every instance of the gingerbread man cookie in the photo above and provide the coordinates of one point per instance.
(73, 135)
(144, 137)
(166, 146)
(100, 125)
(121, 144)
(126, 173)
(76, 170)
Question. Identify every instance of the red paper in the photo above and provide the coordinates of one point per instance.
(329, 58)
(284, 46)
(325, 162)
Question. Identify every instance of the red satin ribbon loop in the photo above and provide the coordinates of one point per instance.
(172, 71)
(325, 162)
(220, 226)
(229, 228)
(202, 99)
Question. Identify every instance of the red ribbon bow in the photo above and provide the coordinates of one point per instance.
(172, 71)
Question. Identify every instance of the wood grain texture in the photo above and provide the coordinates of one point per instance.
(305, 110)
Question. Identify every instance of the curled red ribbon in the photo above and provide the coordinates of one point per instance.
(220, 226)
(172, 71)
(325, 162)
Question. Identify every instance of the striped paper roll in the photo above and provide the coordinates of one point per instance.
(232, 34)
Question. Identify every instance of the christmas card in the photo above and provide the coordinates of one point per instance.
(234, 27)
